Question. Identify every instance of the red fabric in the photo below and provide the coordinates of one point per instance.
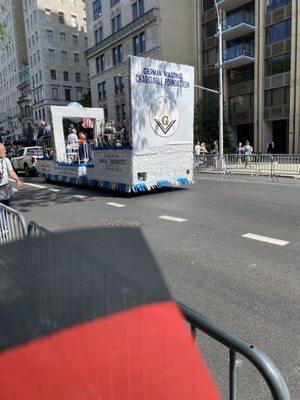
(87, 123)
(144, 353)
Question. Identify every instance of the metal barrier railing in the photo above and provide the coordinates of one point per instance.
(254, 164)
(236, 344)
(35, 229)
(12, 225)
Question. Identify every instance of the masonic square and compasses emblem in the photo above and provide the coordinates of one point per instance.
(164, 116)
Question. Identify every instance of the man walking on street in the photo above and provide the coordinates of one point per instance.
(6, 172)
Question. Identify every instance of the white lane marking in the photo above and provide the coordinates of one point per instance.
(35, 185)
(79, 196)
(169, 218)
(266, 239)
(119, 205)
(54, 190)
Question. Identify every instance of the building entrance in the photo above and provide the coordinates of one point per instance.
(245, 132)
(280, 134)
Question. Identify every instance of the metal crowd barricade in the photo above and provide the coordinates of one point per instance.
(12, 225)
(236, 344)
(255, 164)
(47, 146)
(35, 229)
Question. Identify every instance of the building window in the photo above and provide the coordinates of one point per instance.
(68, 94)
(137, 9)
(209, 57)
(272, 5)
(73, 21)
(139, 44)
(102, 90)
(97, 9)
(32, 39)
(64, 57)
(49, 35)
(47, 11)
(116, 23)
(34, 58)
(277, 97)
(75, 40)
(278, 32)
(117, 53)
(100, 63)
(76, 58)
(77, 77)
(53, 73)
(207, 4)
(36, 36)
(55, 93)
(240, 104)
(38, 56)
(278, 64)
(119, 84)
(29, 43)
(40, 75)
(209, 29)
(51, 53)
(62, 36)
(120, 111)
(61, 17)
(98, 35)
(66, 75)
(241, 74)
(79, 95)
(113, 2)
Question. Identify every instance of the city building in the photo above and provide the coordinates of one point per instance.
(26, 119)
(160, 29)
(56, 40)
(261, 69)
(13, 56)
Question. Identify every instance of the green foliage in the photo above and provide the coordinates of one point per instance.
(206, 123)
(4, 37)
(86, 100)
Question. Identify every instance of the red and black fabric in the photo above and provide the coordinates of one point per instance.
(85, 315)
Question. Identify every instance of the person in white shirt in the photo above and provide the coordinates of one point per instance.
(72, 137)
(6, 172)
(197, 149)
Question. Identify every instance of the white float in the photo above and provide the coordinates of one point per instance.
(160, 148)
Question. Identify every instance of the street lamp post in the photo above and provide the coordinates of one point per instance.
(221, 102)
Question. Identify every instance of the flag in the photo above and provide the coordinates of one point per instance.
(87, 315)
(87, 123)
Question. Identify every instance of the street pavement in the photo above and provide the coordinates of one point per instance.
(196, 234)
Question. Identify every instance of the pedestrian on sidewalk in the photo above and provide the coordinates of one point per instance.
(270, 146)
(6, 172)
(248, 149)
(215, 152)
(239, 152)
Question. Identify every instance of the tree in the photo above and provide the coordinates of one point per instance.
(207, 123)
(4, 37)
(86, 100)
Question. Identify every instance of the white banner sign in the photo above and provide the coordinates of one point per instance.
(162, 103)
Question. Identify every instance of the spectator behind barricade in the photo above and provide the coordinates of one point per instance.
(72, 138)
(248, 149)
(270, 146)
(118, 143)
(197, 149)
(48, 131)
(6, 172)
(239, 151)
(41, 130)
(215, 152)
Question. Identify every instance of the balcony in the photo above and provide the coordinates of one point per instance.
(228, 5)
(122, 33)
(238, 55)
(238, 24)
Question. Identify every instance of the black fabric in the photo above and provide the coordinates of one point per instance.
(60, 280)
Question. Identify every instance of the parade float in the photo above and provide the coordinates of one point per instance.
(157, 148)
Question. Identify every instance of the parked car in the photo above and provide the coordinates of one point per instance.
(26, 158)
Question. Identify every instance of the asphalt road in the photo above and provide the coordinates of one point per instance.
(249, 286)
